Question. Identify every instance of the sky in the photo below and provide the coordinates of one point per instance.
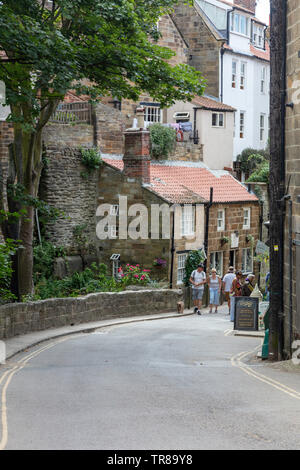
(263, 10)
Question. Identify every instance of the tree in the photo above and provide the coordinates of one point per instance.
(95, 47)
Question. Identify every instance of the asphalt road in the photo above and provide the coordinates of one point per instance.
(179, 383)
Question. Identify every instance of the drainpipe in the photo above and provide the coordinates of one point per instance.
(206, 225)
(290, 204)
(222, 51)
(172, 250)
(196, 136)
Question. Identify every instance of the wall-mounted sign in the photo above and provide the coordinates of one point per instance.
(234, 240)
(246, 313)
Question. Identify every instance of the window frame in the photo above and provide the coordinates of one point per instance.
(234, 73)
(242, 124)
(214, 265)
(188, 222)
(154, 112)
(248, 225)
(262, 127)
(218, 120)
(221, 228)
(263, 80)
(245, 266)
(243, 76)
(181, 260)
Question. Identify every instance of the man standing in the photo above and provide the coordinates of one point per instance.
(198, 280)
(227, 284)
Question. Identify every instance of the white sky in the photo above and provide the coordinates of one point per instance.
(263, 10)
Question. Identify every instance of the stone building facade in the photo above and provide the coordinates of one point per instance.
(292, 165)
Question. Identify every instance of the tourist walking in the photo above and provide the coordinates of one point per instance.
(198, 281)
(227, 284)
(248, 285)
(236, 291)
(215, 286)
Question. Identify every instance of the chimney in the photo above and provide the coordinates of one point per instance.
(248, 4)
(137, 151)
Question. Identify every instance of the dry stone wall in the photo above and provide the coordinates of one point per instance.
(22, 318)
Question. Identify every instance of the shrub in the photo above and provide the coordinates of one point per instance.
(43, 260)
(163, 140)
(194, 258)
(7, 250)
(91, 159)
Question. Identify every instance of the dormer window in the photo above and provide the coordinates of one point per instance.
(258, 36)
(240, 24)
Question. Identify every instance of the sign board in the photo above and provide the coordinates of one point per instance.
(262, 248)
(234, 240)
(246, 313)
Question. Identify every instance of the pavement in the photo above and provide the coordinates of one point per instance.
(23, 342)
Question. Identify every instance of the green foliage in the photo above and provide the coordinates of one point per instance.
(93, 279)
(194, 258)
(91, 159)
(261, 174)
(163, 140)
(43, 260)
(7, 250)
(105, 41)
(250, 158)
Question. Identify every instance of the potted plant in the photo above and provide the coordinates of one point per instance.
(224, 240)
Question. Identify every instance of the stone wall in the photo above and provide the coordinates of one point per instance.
(64, 186)
(292, 171)
(233, 222)
(141, 251)
(204, 48)
(22, 318)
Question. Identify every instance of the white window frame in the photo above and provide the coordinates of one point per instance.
(247, 254)
(220, 220)
(242, 124)
(218, 120)
(236, 24)
(187, 221)
(214, 264)
(263, 80)
(243, 76)
(246, 219)
(153, 114)
(181, 259)
(262, 123)
(234, 74)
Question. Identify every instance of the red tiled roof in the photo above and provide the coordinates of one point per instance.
(260, 53)
(208, 103)
(186, 184)
(238, 7)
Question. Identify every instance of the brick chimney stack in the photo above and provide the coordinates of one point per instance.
(137, 151)
(249, 4)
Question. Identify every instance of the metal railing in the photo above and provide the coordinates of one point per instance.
(73, 113)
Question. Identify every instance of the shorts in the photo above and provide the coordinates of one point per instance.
(197, 294)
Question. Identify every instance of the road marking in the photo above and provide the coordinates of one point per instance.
(228, 332)
(236, 361)
(20, 365)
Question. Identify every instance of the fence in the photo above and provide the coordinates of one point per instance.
(67, 113)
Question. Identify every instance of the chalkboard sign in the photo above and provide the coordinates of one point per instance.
(246, 313)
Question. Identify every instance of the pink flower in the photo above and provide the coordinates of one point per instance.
(136, 275)
(142, 277)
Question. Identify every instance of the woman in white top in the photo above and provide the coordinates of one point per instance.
(215, 284)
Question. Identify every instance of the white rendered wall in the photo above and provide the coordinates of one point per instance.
(250, 100)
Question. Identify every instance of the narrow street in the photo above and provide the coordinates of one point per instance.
(177, 383)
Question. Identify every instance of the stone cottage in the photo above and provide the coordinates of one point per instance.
(182, 192)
